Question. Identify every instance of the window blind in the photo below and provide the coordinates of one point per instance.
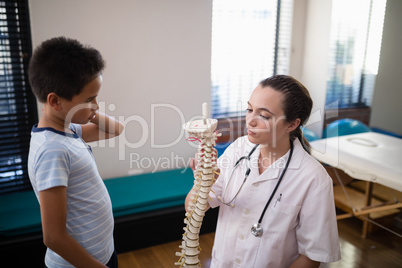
(18, 111)
(250, 42)
(355, 42)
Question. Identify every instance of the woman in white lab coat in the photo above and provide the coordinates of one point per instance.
(283, 213)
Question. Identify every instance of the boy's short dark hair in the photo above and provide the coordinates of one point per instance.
(63, 66)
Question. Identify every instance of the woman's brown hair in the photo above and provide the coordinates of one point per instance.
(296, 102)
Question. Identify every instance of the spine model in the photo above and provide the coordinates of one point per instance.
(204, 173)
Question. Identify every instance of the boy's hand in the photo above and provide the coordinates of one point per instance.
(101, 127)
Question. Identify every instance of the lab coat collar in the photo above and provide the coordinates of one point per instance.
(274, 171)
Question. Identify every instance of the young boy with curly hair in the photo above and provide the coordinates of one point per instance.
(76, 210)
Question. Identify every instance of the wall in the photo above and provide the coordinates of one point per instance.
(313, 72)
(386, 105)
(298, 38)
(157, 74)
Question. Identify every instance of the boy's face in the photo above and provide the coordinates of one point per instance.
(81, 109)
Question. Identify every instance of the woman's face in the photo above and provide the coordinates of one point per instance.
(265, 118)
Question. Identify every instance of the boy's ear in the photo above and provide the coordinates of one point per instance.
(54, 101)
(293, 125)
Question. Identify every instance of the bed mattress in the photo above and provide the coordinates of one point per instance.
(366, 156)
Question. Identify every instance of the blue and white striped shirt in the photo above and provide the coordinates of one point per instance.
(61, 159)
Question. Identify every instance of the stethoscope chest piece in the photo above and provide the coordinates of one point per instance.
(256, 230)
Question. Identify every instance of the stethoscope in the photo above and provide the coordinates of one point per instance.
(256, 229)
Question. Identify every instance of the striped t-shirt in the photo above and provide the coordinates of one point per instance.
(61, 159)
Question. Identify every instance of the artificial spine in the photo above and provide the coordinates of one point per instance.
(204, 175)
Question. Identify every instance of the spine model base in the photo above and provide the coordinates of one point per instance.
(204, 175)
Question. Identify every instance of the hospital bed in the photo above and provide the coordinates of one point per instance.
(372, 157)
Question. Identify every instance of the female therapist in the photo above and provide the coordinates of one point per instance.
(276, 204)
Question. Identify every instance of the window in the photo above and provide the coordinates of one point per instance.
(356, 31)
(18, 111)
(250, 42)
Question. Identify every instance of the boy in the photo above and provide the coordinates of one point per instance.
(76, 211)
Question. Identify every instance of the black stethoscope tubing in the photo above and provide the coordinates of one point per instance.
(221, 198)
(257, 229)
(246, 157)
(277, 184)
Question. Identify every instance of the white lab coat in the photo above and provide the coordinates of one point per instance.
(300, 219)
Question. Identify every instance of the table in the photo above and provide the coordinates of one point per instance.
(370, 156)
